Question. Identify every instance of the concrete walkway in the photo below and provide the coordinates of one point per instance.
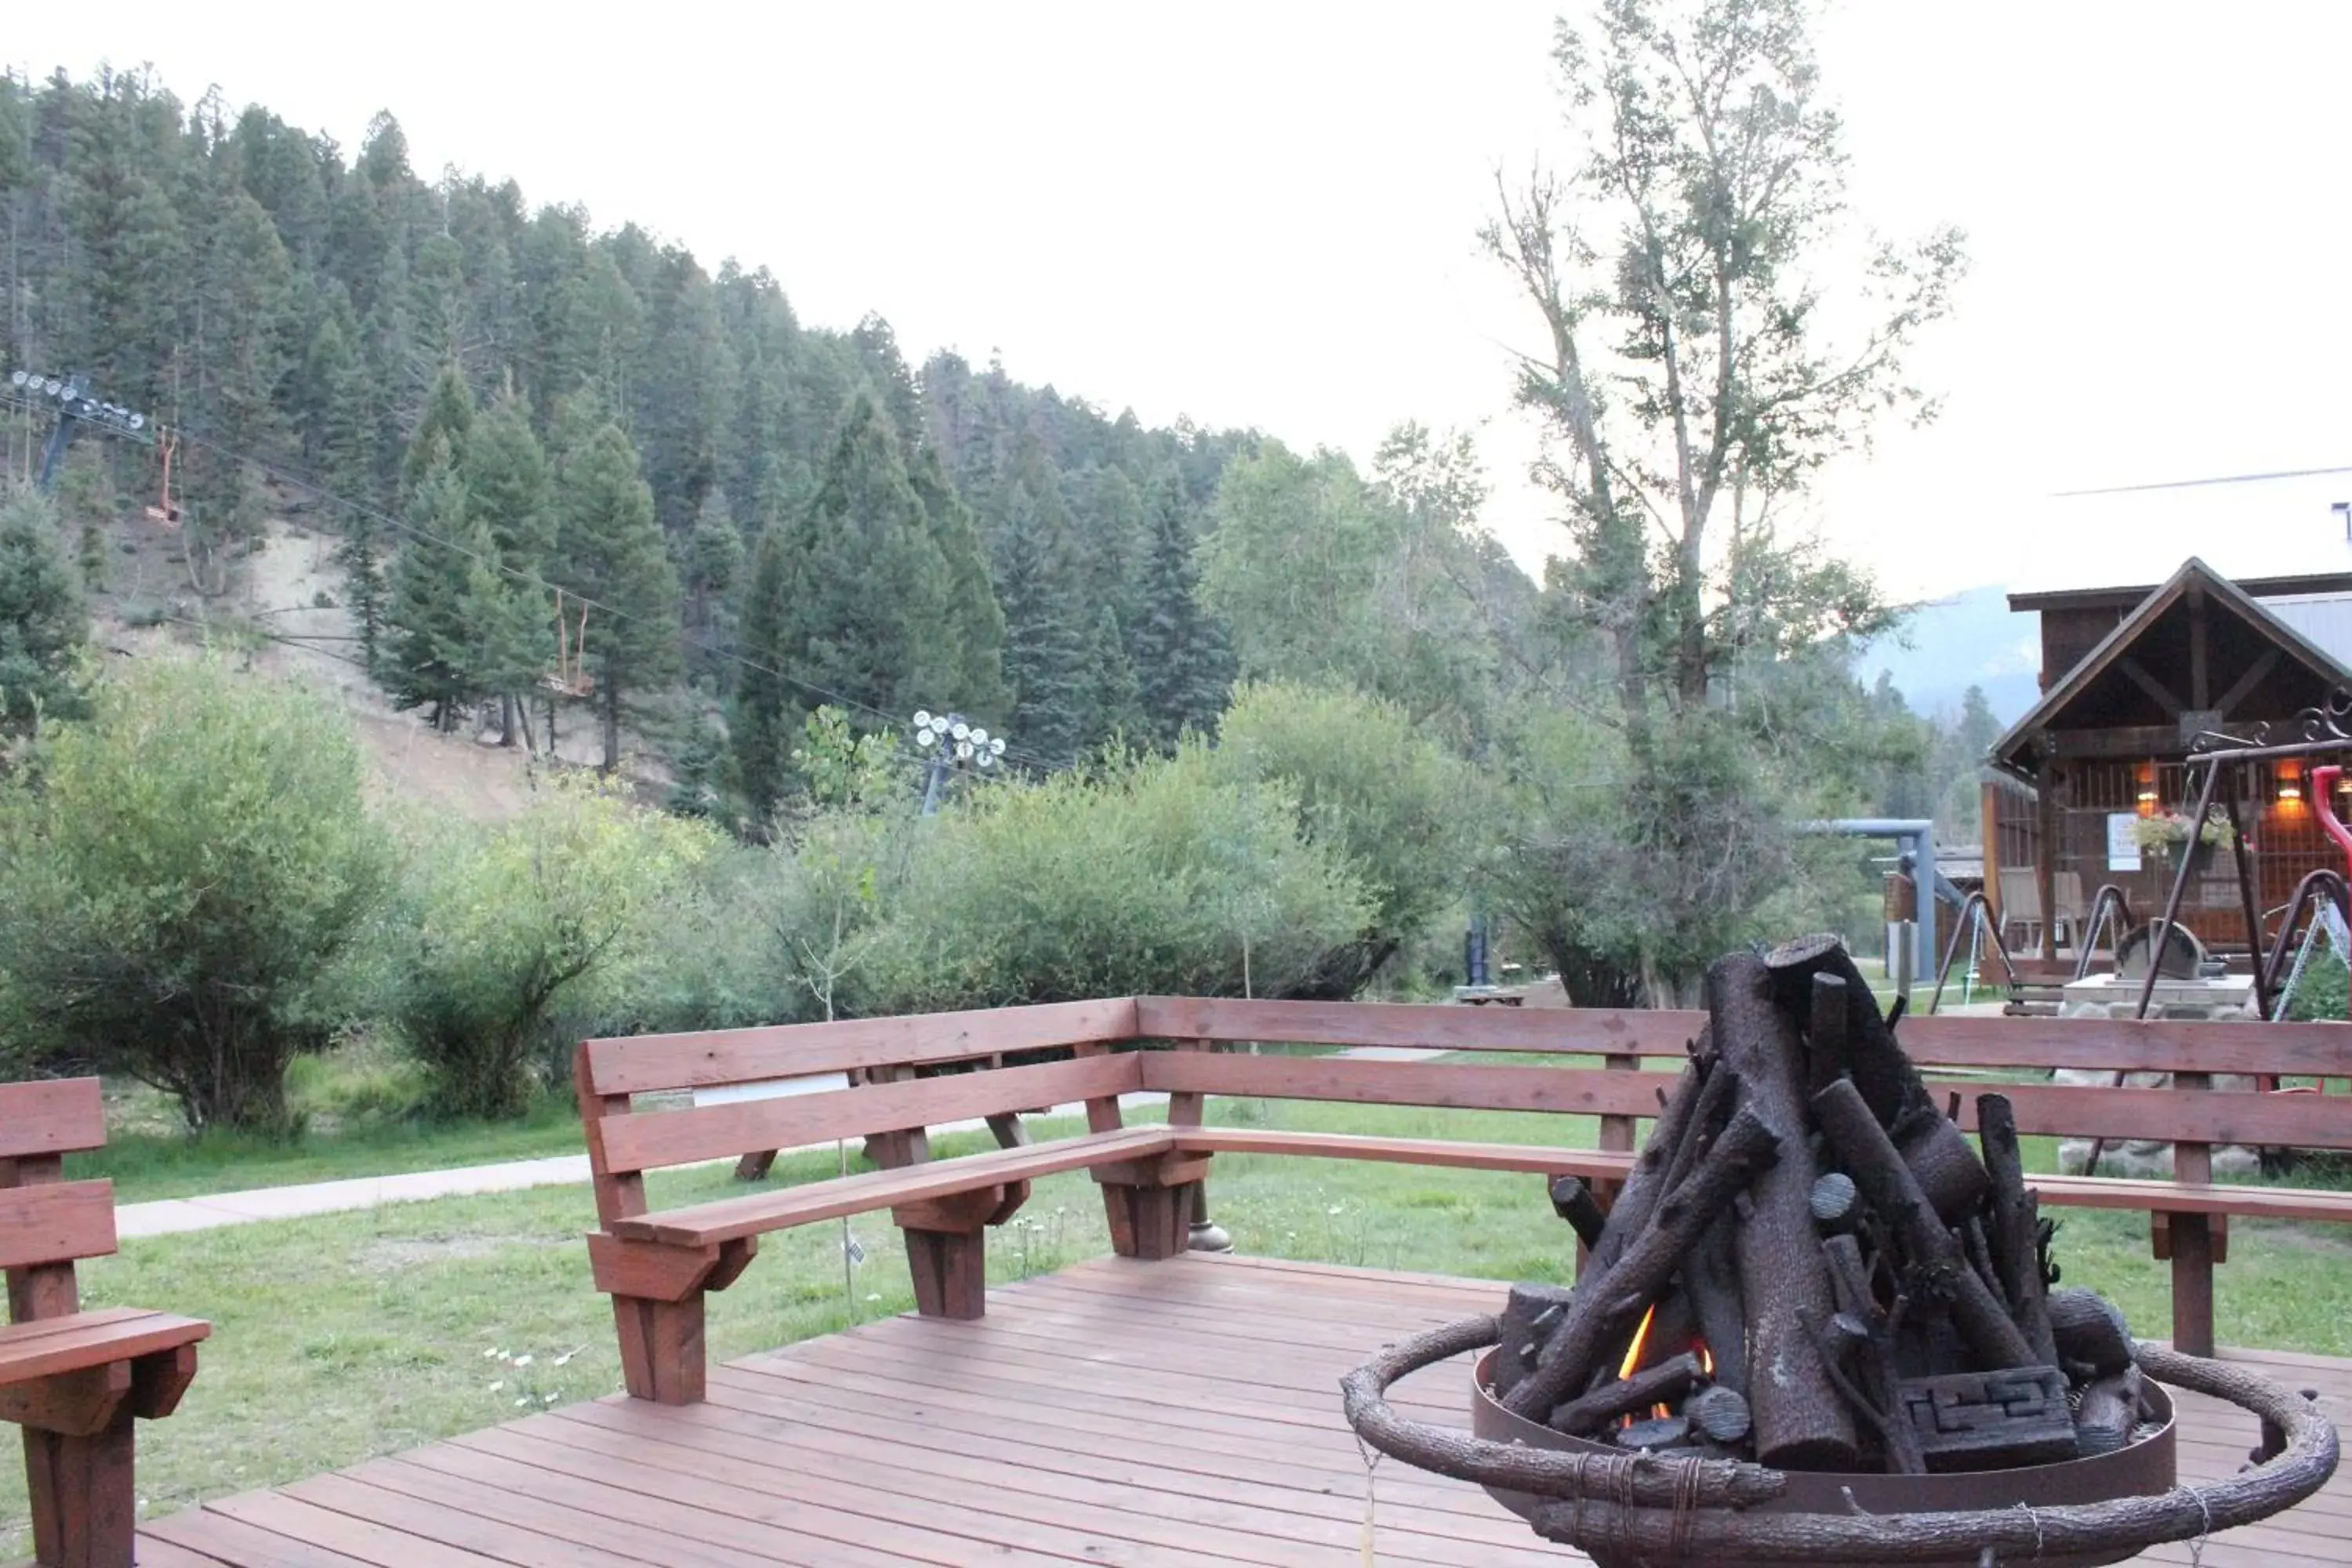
(169, 1216)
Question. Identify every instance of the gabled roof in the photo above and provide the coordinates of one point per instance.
(2121, 598)
(2193, 575)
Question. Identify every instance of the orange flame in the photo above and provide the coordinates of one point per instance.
(1706, 1359)
(1633, 1362)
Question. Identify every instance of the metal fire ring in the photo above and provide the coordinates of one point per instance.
(1656, 1508)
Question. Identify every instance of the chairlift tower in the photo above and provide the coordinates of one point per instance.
(949, 742)
(76, 408)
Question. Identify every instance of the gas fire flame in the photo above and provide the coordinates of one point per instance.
(1633, 1362)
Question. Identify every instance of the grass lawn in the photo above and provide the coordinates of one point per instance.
(348, 1335)
(362, 1123)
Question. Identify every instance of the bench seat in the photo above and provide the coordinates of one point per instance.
(1600, 1164)
(49, 1347)
(757, 1213)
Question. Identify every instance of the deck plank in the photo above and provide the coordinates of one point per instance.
(1122, 1413)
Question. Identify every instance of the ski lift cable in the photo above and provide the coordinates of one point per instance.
(2195, 484)
(285, 474)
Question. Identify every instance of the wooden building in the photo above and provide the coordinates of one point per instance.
(2130, 677)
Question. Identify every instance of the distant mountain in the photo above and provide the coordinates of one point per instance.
(1970, 638)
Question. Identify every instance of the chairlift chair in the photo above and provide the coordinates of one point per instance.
(570, 678)
(167, 442)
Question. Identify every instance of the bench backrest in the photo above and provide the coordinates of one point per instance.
(888, 1076)
(893, 1077)
(2188, 1112)
(47, 1223)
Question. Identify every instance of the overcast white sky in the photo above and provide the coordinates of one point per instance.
(1263, 214)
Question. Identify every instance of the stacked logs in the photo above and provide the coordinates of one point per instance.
(1811, 1265)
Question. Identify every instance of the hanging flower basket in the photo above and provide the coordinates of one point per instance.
(2171, 833)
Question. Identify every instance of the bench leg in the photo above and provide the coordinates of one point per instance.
(83, 1504)
(1148, 1222)
(2192, 1283)
(951, 1271)
(661, 1348)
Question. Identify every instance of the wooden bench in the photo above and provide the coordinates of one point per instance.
(658, 1265)
(75, 1381)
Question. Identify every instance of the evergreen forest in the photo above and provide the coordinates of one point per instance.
(1275, 721)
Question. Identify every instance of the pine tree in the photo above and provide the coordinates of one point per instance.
(44, 621)
(969, 668)
(1115, 704)
(430, 645)
(1046, 641)
(767, 710)
(362, 560)
(508, 489)
(440, 434)
(247, 307)
(873, 606)
(438, 306)
(610, 554)
(711, 569)
(1178, 653)
(337, 438)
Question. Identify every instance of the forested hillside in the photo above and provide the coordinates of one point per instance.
(578, 479)
(487, 382)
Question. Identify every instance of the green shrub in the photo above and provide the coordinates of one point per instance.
(542, 915)
(1140, 874)
(1395, 806)
(182, 886)
(2323, 993)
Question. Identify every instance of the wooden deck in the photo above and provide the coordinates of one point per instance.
(1148, 1415)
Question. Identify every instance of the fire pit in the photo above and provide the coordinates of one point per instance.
(1815, 1325)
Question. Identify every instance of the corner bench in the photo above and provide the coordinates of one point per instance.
(75, 1381)
(659, 1266)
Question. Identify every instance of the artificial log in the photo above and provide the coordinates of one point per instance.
(1890, 1085)
(1800, 1420)
(1572, 1200)
(1719, 1414)
(1941, 1161)
(2089, 1331)
(2106, 1412)
(1844, 1345)
(1825, 1030)
(1647, 1180)
(1664, 1383)
(1695, 1132)
(1868, 1378)
(1886, 1184)
(1711, 1281)
(1971, 1236)
(1530, 1313)
(2014, 1236)
(1834, 1201)
(1613, 1299)
(1660, 1432)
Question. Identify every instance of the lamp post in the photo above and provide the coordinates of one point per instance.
(949, 741)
